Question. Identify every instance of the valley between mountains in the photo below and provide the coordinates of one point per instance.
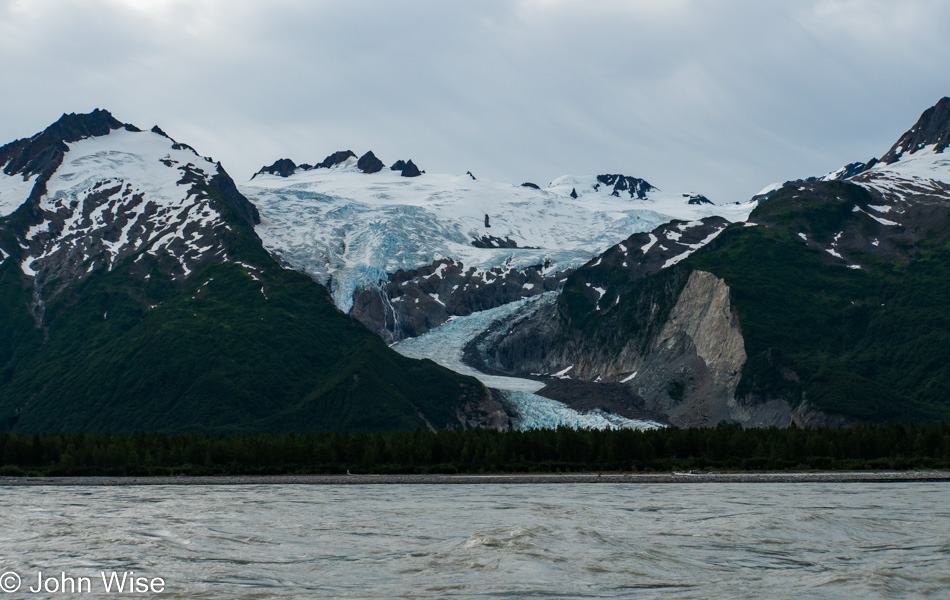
(141, 288)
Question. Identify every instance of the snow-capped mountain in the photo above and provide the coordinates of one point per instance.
(932, 130)
(138, 282)
(917, 167)
(135, 295)
(353, 230)
(909, 190)
(95, 200)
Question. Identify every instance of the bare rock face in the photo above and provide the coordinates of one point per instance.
(548, 344)
(491, 241)
(696, 199)
(485, 412)
(684, 369)
(693, 367)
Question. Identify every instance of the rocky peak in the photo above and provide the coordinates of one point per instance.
(406, 168)
(368, 163)
(697, 199)
(846, 172)
(43, 153)
(849, 170)
(411, 170)
(73, 127)
(336, 158)
(931, 129)
(283, 167)
(636, 188)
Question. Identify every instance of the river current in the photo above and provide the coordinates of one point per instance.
(794, 540)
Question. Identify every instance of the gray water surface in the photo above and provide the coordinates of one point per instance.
(488, 541)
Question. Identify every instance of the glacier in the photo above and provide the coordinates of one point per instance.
(349, 229)
(445, 345)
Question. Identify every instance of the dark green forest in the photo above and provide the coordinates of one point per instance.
(727, 447)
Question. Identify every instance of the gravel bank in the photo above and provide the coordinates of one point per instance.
(547, 478)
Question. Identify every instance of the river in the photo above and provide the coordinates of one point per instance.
(703, 540)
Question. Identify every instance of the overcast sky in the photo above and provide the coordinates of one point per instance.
(714, 97)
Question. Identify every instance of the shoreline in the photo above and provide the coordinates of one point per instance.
(494, 479)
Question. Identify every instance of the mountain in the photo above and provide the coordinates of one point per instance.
(929, 135)
(828, 306)
(136, 295)
(141, 289)
(406, 254)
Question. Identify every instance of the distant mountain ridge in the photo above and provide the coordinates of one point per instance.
(368, 163)
(358, 233)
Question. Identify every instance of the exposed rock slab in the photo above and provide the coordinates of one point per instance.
(694, 366)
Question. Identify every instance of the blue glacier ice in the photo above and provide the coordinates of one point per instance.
(445, 345)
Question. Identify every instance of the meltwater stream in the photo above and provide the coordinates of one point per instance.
(723, 541)
(445, 345)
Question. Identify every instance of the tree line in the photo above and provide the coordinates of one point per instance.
(727, 447)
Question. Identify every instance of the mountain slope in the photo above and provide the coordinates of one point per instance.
(829, 306)
(137, 296)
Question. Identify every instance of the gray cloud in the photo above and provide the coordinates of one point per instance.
(714, 97)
